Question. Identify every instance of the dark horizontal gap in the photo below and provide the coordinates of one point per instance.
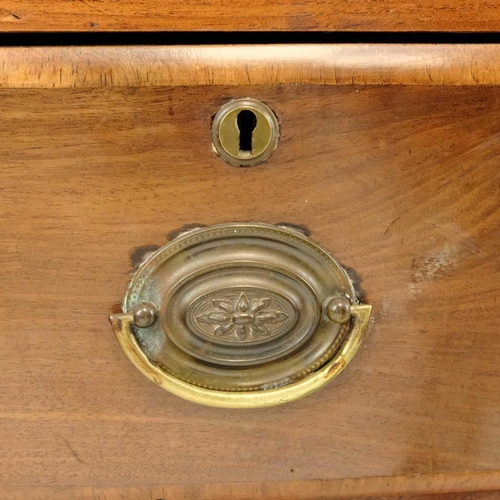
(213, 38)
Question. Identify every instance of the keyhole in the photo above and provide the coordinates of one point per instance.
(247, 121)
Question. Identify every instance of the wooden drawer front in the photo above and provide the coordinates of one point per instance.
(400, 182)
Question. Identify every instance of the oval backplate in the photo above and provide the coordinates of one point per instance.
(240, 306)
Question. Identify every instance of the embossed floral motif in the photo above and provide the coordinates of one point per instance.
(242, 317)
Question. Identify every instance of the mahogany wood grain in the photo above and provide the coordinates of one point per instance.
(146, 66)
(401, 183)
(239, 15)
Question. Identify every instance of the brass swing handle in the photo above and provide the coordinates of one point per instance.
(122, 326)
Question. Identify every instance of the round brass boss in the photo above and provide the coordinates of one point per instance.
(245, 132)
(241, 315)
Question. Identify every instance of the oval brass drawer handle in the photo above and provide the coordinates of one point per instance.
(241, 315)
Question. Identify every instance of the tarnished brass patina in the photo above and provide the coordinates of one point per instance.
(241, 315)
(245, 132)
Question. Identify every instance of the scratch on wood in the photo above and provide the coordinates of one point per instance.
(73, 451)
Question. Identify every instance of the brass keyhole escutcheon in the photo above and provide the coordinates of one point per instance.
(245, 132)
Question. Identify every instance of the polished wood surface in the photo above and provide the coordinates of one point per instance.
(225, 15)
(400, 183)
(437, 486)
(143, 66)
